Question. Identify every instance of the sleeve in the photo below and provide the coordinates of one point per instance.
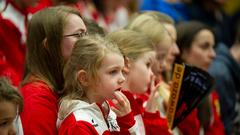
(127, 125)
(79, 127)
(39, 113)
(155, 124)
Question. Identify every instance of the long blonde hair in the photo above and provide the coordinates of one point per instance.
(87, 55)
(131, 43)
(149, 26)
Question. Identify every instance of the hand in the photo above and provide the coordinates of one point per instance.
(122, 106)
(152, 103)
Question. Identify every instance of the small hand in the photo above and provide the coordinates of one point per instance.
(122, 106)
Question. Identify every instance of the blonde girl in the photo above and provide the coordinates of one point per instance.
(139, 54)
(93, 75)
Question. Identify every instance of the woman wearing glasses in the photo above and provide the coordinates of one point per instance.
(51, 36)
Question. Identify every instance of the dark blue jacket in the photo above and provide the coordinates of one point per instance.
(226, 72)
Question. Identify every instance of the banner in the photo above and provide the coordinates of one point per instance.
(189, 86)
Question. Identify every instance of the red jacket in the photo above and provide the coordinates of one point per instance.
(79, 117)
(7, 71)
(39, 114)
(216, 127)
(190, 125)
(153, 124)
(13, 29)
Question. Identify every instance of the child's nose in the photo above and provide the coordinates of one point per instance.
(121, 79)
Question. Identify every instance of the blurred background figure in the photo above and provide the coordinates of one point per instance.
(226, 70)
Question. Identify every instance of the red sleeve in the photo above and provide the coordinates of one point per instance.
(40, 110)
(72, 127)
(155, 125)
(81, 127)
(191, 125)
(125, 123)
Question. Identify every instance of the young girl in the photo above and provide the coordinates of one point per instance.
(196, 42)
(92, 76)
(139, 55)
(11, 104)
(51, 37)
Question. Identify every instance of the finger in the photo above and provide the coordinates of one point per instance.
(118, 106)
(116, 111)
(152, 85)
(124, 97)
(119, 98)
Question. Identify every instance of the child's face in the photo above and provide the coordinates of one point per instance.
(71, 33)
(140, 73)
(174, 50)
(162, 49)
(110, 76)
(8, 112)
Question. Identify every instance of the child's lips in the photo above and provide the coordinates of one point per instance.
(119, 89)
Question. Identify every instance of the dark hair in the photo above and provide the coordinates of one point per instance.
(186, 32)
(10, 94)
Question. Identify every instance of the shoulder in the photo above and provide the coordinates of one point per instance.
(39, 100)
(39, 90)
(83, 121)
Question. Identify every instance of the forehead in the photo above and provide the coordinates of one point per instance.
(7, 110)
(111, 59)
(74, 23)
(171, 29)
(148, 55)
(204, 36)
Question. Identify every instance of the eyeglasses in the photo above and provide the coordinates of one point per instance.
(78, 35)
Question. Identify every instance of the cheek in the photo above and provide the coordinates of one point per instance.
(3, 131)
(141, 79)
(196, 58)
(66, 47)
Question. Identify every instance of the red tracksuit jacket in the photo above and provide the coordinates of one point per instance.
(148, 123)
(39, 114)
(13, 30)
(78, 117)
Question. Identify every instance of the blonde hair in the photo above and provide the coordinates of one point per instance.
(161, 17)
(131, 43)
(149, 26)
(87, 55)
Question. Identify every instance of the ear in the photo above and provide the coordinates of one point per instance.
(82, 77)
(126, 65)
